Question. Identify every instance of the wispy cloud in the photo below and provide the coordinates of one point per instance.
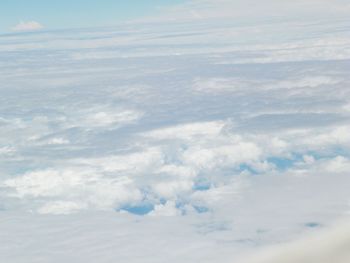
(251, 9)
(27, 26)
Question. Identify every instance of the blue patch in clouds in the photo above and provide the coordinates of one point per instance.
(142, 209)
(281, 163)
(201, 209)
(245, 167)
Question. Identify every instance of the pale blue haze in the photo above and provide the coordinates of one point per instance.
(58, 14)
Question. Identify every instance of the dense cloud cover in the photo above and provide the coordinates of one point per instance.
(227, 135)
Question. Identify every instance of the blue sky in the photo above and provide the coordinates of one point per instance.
(77, 13)
(22, 15)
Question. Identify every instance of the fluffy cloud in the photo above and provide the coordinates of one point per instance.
(28, 26)
(192, 164)
(74, 189)
(168, 209)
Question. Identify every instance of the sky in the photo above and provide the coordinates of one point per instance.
(21, 15)
(77, 13)
(209, 131)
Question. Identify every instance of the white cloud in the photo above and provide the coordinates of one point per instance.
(220, 193)
(188, 131)
(28, 26)
(61, 207)
(73, 189)
(234, 153)
(162, 116)
(102, 116)
(118, 117)
(136, 162)
(172, 189)
(339, 135)
(218, 84)
(168, 209)
(7, 151)
(58, 141)
(338, 164)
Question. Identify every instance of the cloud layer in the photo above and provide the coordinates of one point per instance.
(226, 136)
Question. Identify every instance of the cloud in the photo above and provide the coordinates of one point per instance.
(61, 207)
(251, 9)
(101, 119)
(57, 141)
(188, 131)
(72, 189)
(168, 209)
(28, 26)
(160, 120)
(6, 151)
